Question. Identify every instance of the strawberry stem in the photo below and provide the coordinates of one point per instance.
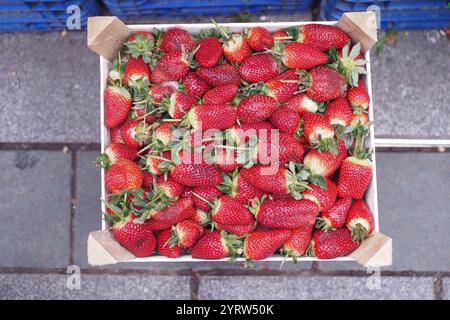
(226, 35)
(203, 199)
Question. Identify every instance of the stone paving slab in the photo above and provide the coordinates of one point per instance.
(314, 287)
(102, 287)
(446, 288)
(34, 208)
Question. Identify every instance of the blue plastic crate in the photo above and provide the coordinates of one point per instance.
(134, 10)
(42, 15)
(394, 14)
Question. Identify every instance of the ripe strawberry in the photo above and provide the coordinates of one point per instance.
(324, 84)
(144, 110)
(136, 69)
(349, 62)
(286, 120)
(145, 34)
(339, 114)
(322, 37)
(123, 175)
(261, 244)
(171, 67)
(162, 135)
(359, 119)
(179, 103)
(298, 243)
(324, 198)
(114, 152)
(280, 36)
(238, 188)
(194, 85)
(117, 104)
(169, 187)
(241, 134)
(163, 90)
(332, 244)
(354, 177)
(141, 44)
(177, 40)
(166, 249)
(239, 231)
(235, 48)
(360, 220)
(135, 133)
(359, 98)
(229, 211)
(285, 214)
(322, 163)
(209, 52)
(259, 39)
(175, 212)
(335, 217)
(219, 75)
(342, 150)
(136, 238)
(226, 159)
(279, 90)
(156, 163)
(116, 136)
(212, 116)
(208, 193)
(302, 56)
(301, 103)
(156, 225)
(221, 94)
(319, 132)
(215, 245)
(256, 108)
(201, 217)
(259, 67)
(282, 150)
(148, 179)
(196, 175)
(186, 233)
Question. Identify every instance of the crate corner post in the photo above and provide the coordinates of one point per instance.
(103, 249)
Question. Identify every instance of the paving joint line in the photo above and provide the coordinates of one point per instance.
(194, 285)
(73, 204)
(438, 287)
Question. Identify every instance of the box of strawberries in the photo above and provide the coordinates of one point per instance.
(239, 142)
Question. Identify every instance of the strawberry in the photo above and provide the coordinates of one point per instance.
(215, 245)
(229, 211)
(166, 249)
(171, 67)
(339, 114)
(360, 220)
(242, 133)
(359, 119)
(281, 150)
(116, 136)
(259, 39)
(137, 238)
(212, 116)
(207, 193)
(196, 175)
(298, 243)
(322, 37)
(135, 70)
(238, 188)
(220, 94)
(239, 231)
(324, 84)
(135, 133)
(226, 159)
(322, 163)
(259, 67)
(261, 244)
(144, 34)
(280, 36)
(285, 214)
(279, 90)
(302, 56)
(114, 152)
(209, 52)
(156, 225)
(358, 97)
(186, 234)
(256, 108)
(142, 44)
(354, 177)
(219, 75)
(194, 85)
(323, 197)
(147, 180)
(319, 132)
(117, 104)
(342, 150)
(179, 103)
(301, 103)
(286, 120)
(201, 217)
(173, 213)
(162, 135)
(332, 244)
(145, 110)
(235, 47)
(163, 90)
(177, 40)
(169, 187)
(349, 62)
(155, 163)
(123, 175)
(334, 218)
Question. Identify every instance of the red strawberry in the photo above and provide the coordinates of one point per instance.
(219, 75)
(156, 225)
(354, 177)
(342, 150)
(238, 188)
(360, 220)
(212, 116)
(302, 104)
(201, 217)
(261, 244)
(171, 67)
(242, 133)
(117, 104)
(325, 84)
(235, 48)
(135, 133)
(324, 198)
(123, 175)
(137, 238)
(175, 212)
(322, 37)
(339, 114)
(229, 211)
(194, 85)
(302, 56)
(332, 244)
(359, 119)
(239, 231)
(179, 103)
(220, 94)
(259, 67)
(279, 90)
(282, 150)
(166, 249)
(141, 44)
(285, 214)
(148, 179)
(216, 245)
(146, 34)
(114, 152)
(256, 108)
(154, 163)
(297, 245)
(208, 193)
(226, 159)
(163, 90)
(334, 218)
(209, 52)
(259, 39)
(135, 70)
(196, 175)
(186, 233)
(321, 163)
(169, 187)
(350, 62)
(163, 135)
(359, 98)
(319, 132)
(279, 33)
(286, 120)
(116, 136)
(177, 40)
(145, 111)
